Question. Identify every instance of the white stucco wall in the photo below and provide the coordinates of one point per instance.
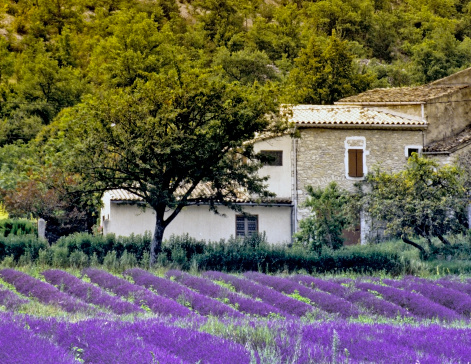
(279, 180)
(199, 222)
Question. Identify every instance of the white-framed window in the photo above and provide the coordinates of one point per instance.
(246, 225)
(355, 158)
(409, 149)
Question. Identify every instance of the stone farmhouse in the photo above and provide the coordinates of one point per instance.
(340, 143)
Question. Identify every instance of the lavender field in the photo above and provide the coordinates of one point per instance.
(139, 317)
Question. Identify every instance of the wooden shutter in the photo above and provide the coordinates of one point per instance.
(355, 162)
(359, 162)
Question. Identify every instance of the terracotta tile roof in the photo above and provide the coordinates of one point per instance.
(352, 116)
(420, 94)
(451, 143)
(201, 190)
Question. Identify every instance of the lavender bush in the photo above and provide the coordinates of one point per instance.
(140, 295)
(415, 303)
(382, 343)
(359, 298)
(325, 301)
(89, 293)
(143, 341)
(18, 344)
(455, 300)
(10, 300)
(455, 284)
(44, 292)
(208, 288)
(165, 287)
(289, 341)
(322, 284)
(268, 295)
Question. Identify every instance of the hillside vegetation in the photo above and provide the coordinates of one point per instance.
(56, 54)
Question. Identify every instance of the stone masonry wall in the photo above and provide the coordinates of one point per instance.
(448, 115)
(322, 158)
(321, 154)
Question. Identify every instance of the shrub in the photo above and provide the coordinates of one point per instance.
(18, 245)
(78, 259)
(60, 257)
(17, 227)
(111, 261)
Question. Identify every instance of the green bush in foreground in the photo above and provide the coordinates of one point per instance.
(233, 255)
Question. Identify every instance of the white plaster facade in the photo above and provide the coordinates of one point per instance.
(199, 222)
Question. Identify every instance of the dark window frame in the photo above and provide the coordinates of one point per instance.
(412, 150)
(246, 220)
(277, 156)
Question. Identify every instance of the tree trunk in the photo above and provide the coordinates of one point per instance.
(423, 253)
(429, 242)
(156, 243)
(443, 240)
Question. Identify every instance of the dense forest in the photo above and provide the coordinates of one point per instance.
(56, 55)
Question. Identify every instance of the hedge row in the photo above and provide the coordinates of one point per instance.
(17, 227)
(233, 255)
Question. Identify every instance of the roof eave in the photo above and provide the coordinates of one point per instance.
(377, 103)
(361, 126)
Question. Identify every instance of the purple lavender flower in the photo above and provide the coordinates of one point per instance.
(160, 340)
(377, 305)
(208, 288)
(44, 292)
(165, 287)
(382, 343)
(268, 295)
(455, 284)
(360, 298)
(123, 288)
(457, 301)
(88, 292)
(415, 303)
(20, 345)
(142, 341)
(325, 301)
(324, 285)
(10, 300)
(192, 345)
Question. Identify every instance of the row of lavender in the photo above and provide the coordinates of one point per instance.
(255, 294)
(26, 339)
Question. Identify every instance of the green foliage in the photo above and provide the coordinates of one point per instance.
(202, 126)
(239, 255)
(325, 72)
(423, 200)
(245, 66)
(57, 54)
(18, 245)
(17, 227)
(298, 297)
(99, 246)
(330, 214)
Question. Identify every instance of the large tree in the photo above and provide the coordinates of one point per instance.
(165, 138)
(424, 200)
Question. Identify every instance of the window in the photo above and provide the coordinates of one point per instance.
(413, 149)
(246, 225)
(355, 162)
(275, 157)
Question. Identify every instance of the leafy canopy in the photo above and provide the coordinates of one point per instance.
(423, 200)
(330, 214)
(163, 139)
